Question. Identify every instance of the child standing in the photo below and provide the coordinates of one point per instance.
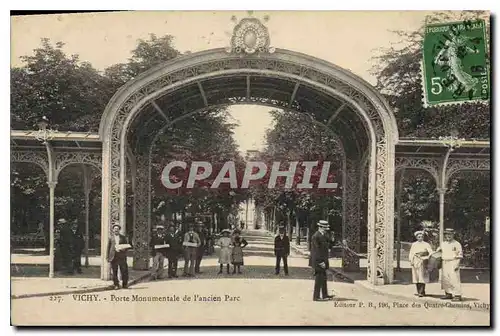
(237, 256)
(225, 250)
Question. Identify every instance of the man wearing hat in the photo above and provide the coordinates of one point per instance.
(158, 238)
(451, 256)
(65, 246)
(191, 243)
(420, 252)
(172, 239)
(77, 246)
(281, 250)
(200, 230)
(319, 260)
(117, 256)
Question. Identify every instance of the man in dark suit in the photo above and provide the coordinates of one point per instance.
(77, 246)
(65, 246)
(117, 256)
(201, 249)
(175, 242)
(319, 260)
(281, 250)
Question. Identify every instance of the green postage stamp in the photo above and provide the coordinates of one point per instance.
(455, 67)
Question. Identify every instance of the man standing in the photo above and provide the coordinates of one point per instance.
(158, 254)
(451, 256)
(173, 251)
(65, 246)
(281, 250)
(201, 248)
(117, 256)
(77, 246)
(319, 260)
(191, 243)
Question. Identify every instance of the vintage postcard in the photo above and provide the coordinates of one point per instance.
(275, 168)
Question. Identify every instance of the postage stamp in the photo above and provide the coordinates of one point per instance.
(216, 169)
(455, 66)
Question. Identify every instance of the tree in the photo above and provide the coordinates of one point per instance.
(70, 93)
(148, 54)
(295, 138)
(206, 136)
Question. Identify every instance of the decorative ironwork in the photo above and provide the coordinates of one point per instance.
(351, 227)
(431, 165)
(64, 159)
(250, 36)
(38, 158)
(465, 164)
(281, 64)
(141, 221)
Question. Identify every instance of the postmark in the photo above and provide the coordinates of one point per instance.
(454, 66)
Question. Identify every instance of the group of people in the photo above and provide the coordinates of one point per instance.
(424, 261)
(173, 244)
(69, 246)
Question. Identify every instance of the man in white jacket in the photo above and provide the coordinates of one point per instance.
(451, 256)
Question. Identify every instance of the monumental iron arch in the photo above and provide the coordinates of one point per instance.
(251, 72)
(261, 75)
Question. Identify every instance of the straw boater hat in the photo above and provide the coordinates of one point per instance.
(449, 231)
(324, 225)
(418, 233)
(226, 231)
(61, 221)
(159, 227)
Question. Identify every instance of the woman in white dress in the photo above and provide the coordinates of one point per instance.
(419, 253)
(225, 250)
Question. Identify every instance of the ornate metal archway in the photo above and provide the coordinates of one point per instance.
(252, 72)
(251, 59)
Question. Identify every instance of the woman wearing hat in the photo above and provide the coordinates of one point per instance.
(237, 254)
(225, 250)
(451, 255)
(419, 254)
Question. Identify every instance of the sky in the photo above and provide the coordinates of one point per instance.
(348, 39)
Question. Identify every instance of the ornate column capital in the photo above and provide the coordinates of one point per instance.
(52, 184)
(441, 191)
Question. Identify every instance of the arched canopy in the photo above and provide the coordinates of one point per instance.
(283, 79)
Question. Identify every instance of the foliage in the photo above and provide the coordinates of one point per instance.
(206, 136)
(295, 138)
(72, 94)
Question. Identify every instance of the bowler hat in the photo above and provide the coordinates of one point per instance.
(116, 224)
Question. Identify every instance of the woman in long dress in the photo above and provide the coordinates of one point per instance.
(237, 255)
(419, 253)
(225, 250)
